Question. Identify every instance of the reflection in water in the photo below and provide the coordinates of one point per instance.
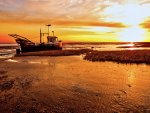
(104, 78)
(130, 45)
(34, 62)
(107, 47)
(11, 60)
(62, 83)
(131, 76)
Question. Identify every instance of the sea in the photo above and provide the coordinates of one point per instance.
(9, 50)
(108, 46)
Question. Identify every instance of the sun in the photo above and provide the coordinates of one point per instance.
(133, 16)
(132, 34)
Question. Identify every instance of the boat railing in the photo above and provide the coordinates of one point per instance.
(22, 40)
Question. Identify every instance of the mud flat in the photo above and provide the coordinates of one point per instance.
(70, 84)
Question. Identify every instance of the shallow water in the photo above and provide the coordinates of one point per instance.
(70, 84)
(7, 50)
(105, 47)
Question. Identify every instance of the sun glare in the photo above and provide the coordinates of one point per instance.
(132, 34)
(132, 15)
(129, 14)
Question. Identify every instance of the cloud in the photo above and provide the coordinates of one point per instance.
(51, 9)
(66, 22)
(90, 23)
(143, 2)
(146, 24)
(101, 16)
(64, 12)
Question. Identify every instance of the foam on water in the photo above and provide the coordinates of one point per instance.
(7, 50)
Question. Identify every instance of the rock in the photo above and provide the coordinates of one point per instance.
(6, 85)
(3, 72)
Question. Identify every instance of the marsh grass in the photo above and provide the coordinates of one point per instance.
(126, 56)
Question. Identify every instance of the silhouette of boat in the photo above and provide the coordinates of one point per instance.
(27, 45)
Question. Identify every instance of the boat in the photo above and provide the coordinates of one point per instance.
(27, 45)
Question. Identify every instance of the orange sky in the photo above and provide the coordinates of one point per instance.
(76, 20)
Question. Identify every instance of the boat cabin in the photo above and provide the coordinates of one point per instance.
(52, 39)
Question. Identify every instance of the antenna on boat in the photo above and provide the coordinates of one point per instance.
(40, 36)
(53, 33)
(48, 28)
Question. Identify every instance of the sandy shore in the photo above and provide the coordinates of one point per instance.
(72, 85)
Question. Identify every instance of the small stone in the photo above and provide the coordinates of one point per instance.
(6, 85)
(129, 85)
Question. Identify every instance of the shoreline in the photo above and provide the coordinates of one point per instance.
(121, 56)
(126, 56)
(55, 53)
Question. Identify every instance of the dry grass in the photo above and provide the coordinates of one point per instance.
(127, 56)
(56, 53)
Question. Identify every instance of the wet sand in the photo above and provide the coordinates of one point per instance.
(72, 85)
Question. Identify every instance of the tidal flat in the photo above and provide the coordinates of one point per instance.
(69, 84)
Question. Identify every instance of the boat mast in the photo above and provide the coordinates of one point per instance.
(53, 33)
(48, 28)
(42, 34)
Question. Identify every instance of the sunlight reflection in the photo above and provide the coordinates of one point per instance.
(131, 76)
(131, 45)
(11, 60)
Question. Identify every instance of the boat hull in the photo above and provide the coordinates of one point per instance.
(39, 48)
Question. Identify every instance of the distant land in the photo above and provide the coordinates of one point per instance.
(115, 43)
